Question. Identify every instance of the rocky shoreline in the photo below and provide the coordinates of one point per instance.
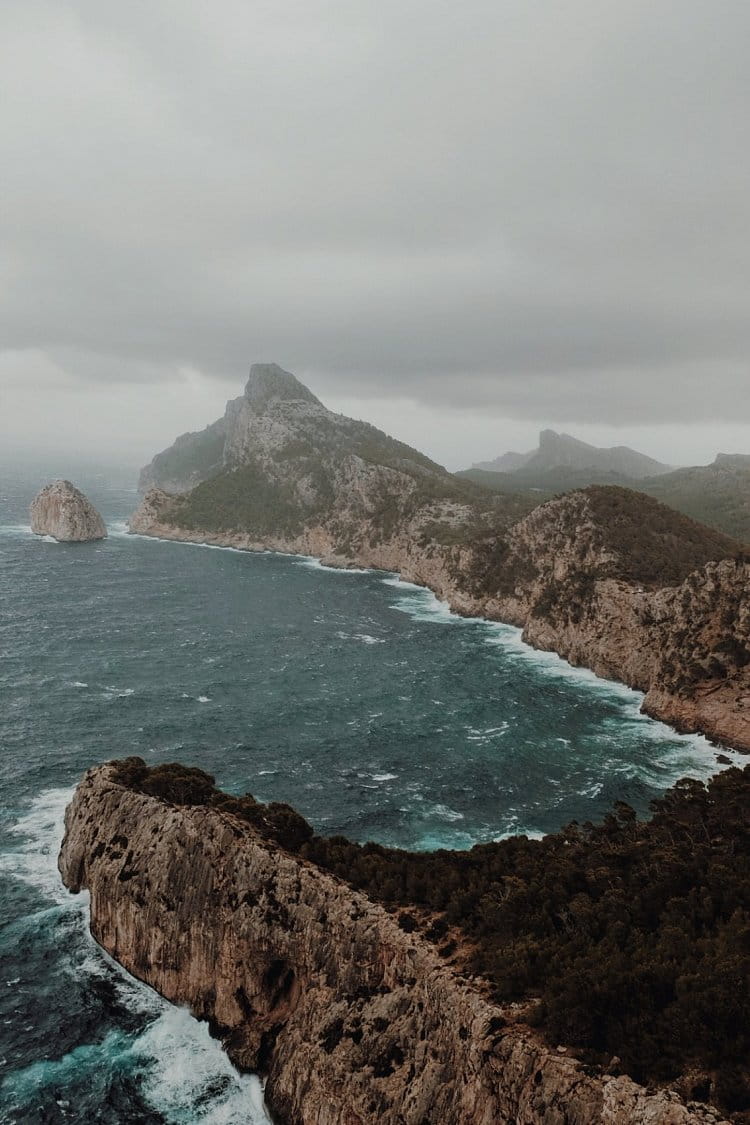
(351, 1018)
(623, 631)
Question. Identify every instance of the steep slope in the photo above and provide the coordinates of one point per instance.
(717, 494)
(276, 420)
(353, 1019)
(195, 457)
(293, 475)
(618, 583)
(507, 462)
(607, 577)
(561, 451)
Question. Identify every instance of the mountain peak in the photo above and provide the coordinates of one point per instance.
(268, 382)
(562, 451)
(732, 461)
(551, 439)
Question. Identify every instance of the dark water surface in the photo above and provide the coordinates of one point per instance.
(356, 698)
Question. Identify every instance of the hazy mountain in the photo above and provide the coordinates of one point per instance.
(561, 451)
(718, 495)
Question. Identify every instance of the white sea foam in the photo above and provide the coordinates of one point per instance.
(446, 813)
(362, 638)
(204, 699)
(384, 776)
(16, 530)
(117, 529)
(680, 755)
(190, 1064)
(188, 1078)
(112, 692)
(314, 563)
(41, 829)
(186, 542)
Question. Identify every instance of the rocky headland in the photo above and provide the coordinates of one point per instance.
(62, 511)
(352, 1016)
(607, 577)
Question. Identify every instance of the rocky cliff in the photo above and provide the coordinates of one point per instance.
(609, 578)
(62, 511)
(352, 1019)
(615, 582)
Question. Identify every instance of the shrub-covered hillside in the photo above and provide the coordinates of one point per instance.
(627, 938)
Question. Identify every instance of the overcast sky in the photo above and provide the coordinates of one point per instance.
(462, 221)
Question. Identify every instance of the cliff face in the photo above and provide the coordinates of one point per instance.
(352, 1020)
(62, 511)
(609, 579)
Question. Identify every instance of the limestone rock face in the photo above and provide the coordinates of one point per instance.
(62, 511)
(273, 409)
(352, 1020)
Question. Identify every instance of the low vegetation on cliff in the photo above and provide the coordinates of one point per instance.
(716, 495)
(597, 532)
(627, 938)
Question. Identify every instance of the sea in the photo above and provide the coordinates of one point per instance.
(356, 697)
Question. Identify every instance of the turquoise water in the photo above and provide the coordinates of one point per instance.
(355, 697)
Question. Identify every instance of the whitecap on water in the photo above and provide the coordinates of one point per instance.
(675, 755)
(111, 692)
(41, 829)
(194, 1080)
(317, 564)
(118, 529)
(16, 531)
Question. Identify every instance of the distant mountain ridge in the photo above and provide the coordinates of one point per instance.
(561, 451)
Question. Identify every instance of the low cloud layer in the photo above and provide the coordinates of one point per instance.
(531, 210)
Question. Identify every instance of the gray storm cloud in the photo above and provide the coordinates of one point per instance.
(528, 207)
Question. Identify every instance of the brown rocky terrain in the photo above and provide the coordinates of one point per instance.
(352, 1019)
(62, 511)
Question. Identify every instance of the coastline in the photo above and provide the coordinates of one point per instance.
(708, 713)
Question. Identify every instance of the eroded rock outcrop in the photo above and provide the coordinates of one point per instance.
(62, 511)
(353, 1020)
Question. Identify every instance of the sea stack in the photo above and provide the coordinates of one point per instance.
(62, 511)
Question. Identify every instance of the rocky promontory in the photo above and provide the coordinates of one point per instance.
(352, 1018)
(62, 511)
(607, 577)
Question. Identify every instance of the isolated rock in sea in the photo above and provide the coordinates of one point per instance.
(62, 511)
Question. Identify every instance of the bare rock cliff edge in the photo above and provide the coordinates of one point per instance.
(307, 981)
